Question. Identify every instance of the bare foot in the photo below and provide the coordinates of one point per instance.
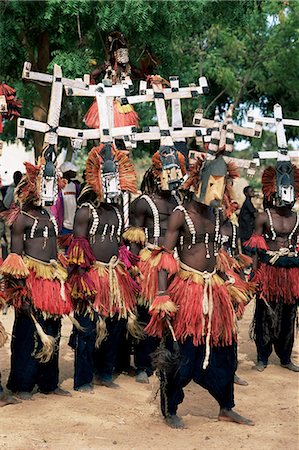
(260, 366)
(291, 366)
(240, 381)
(85, 388)
(174, 421)
(62, 392)
(57, 391)
(25, 395)
(8, 400)
(142, 377)
(229, 415)
(108, 384)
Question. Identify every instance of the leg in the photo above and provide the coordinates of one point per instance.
(24, 367)
(122, 363)
(48, 374)
(238, 380)
(143, 350)
(6, 399)
(262, 334)
(106, 355)
(172, 384)
(83, 343)
(285, 340)
(218, 379)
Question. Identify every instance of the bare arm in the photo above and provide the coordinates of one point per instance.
(81, 222)
(137, 219)
(175, 222)
(17, 235)
(259, 224)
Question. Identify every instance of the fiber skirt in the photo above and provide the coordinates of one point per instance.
(274, 283)
(115, 289)
(189, 291)
(46, 287)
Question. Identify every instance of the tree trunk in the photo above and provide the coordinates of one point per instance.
(40, 112)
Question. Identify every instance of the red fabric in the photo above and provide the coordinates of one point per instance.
(274, 283)
(256, 242)
(127, 288)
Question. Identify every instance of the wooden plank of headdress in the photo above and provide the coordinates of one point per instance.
(29, 75)
(255, 131)
(50, 129)
(176, 109)
(282, 153)
(146, 95)
(222, 135)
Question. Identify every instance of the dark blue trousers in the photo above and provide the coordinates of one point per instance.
(145, 347)
(218, 378)
(26, 371)
(275, 327)
(106, 356)
(84, 344)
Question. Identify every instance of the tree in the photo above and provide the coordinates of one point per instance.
(242, 48)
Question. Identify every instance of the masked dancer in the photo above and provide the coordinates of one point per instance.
(149, 217)
(275, 243)
(103, 291)
(36, 282)
(198, 306)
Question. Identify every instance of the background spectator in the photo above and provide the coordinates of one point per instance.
(9, 196)
(66, 204)
(247, 217)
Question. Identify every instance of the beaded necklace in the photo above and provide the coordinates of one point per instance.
(46, 228)
(290, 236)
(225, 239)
(192, 231)
(96, 222)
(156, 217)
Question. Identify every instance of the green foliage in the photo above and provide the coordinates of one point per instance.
(248, 50)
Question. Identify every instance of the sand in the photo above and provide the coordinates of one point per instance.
(129, 417)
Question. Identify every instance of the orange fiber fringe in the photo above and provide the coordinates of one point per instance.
(123, 115)
(188, 297)
(46, 295)
(274, 283)
(161, 308)
(135, 234)
(82, 289)
(127, 289)
(80, 254)
(256, 242)
(14, 266)
(151, 261)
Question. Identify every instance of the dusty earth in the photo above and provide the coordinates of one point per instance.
(129, 418)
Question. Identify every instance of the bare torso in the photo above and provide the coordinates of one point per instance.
(142, 214)
(37, 241)
(284, 221)
(104, 244)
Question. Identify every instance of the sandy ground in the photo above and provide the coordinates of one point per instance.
(129, 418)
